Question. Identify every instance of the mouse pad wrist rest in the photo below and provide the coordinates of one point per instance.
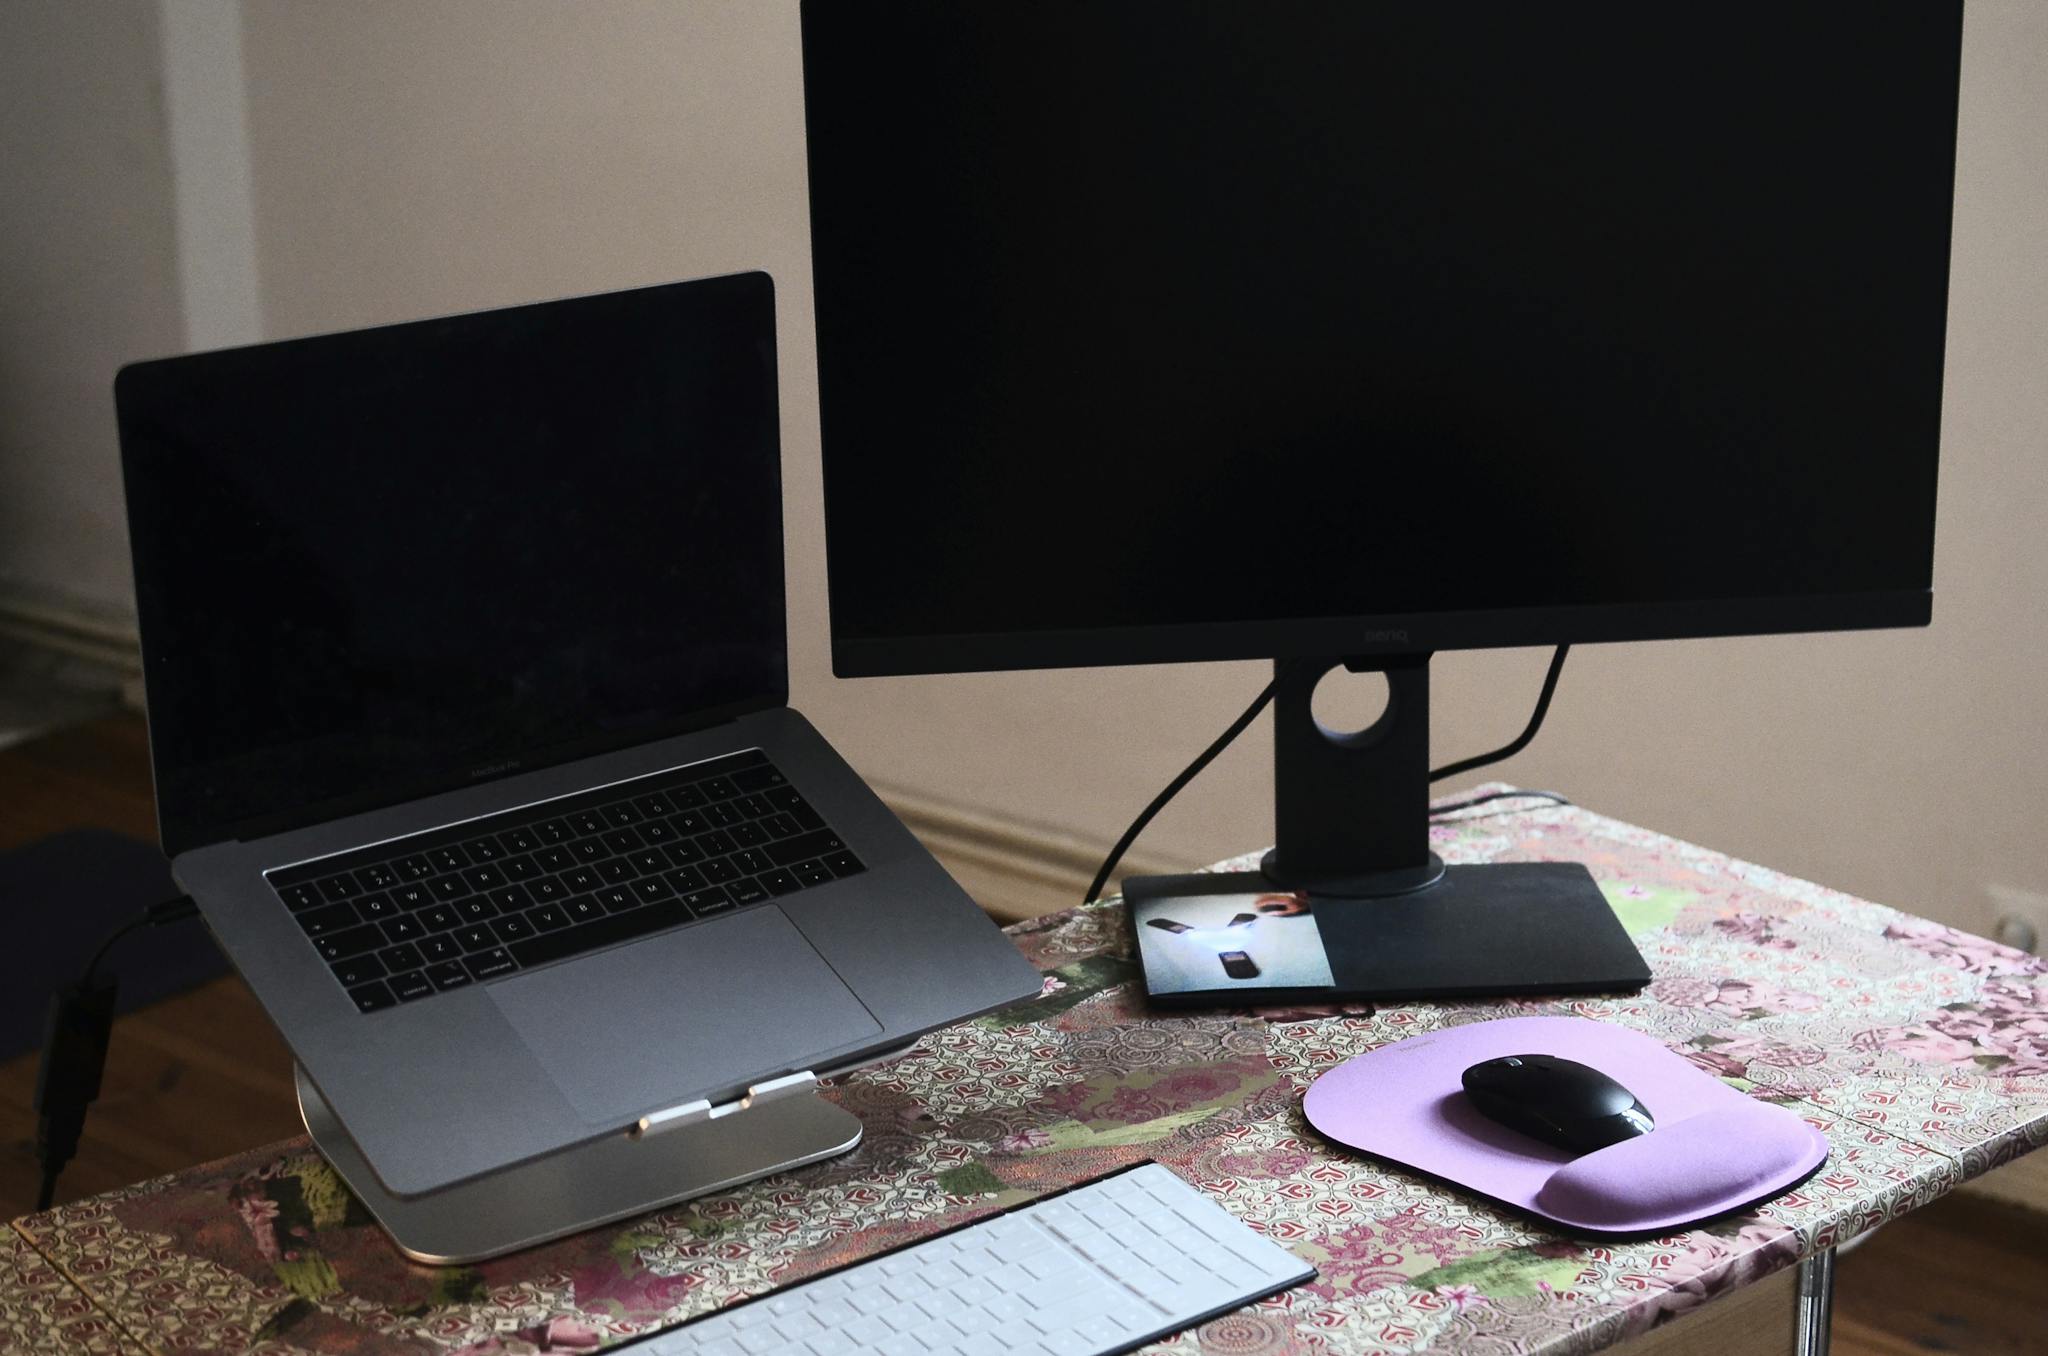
(1714, 1149)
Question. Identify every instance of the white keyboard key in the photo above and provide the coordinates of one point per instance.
(1052, 1279)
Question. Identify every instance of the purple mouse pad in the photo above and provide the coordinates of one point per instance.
(1714, 1149)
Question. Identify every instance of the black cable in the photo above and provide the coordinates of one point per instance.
(1251, 713)
(1468, 803)
(1520, 741)
(75, 1050)
(1207, 756)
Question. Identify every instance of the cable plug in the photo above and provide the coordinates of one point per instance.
(74, 1056)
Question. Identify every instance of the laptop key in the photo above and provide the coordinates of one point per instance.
(689, 823)
(439, 947)
(718, 871)
(304, 895)
(686, 879)
(410, 897)
(338, 888)
(588, 908)
(511, 899)
(758, 778)
(448, 975)
(683, 852)
(619, 927)
(783, 825)
(372, 996)
(415, 867)
(546, 890)
(410, 985)
(475, 909)
(490, 964)
(402, 928)
(710, 899)
(555, 859)
(716, 843)
(588, 822)
(519, 840)
(512, 927)
(686, 797)
(780, 881)
(484, 850)
(811, 873)
(582, 880)
(623, 840)
(751, 862)
(652, 806)
(361, 970)
(748, 835)
(652, 888)
(447, 858)
(484, 878)
(448, 887)
(844, 864)
(402, 957)
(649, 861)
(375, 906)
(616, 871)
(621, 814)
(718, 788)
(590, 850)
(793, 850)
(723, 815)
(519, 868)
(548, 917)
(378, 877)
(552, 831)
(329, 918)
(753, 807)
(347, 945)
(438, 917)
(746, 890)
(475, 937)
(617, 899)
(656, 831)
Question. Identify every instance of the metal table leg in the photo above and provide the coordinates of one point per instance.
(1816, 1303)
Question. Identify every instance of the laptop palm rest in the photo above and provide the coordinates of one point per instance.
(713, 1006)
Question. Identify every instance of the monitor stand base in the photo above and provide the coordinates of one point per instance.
(588, 1185)
(1516, 929)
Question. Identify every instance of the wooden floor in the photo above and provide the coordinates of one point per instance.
(204, 1075)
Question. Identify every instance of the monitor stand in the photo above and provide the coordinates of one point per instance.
(595, 1183)
(1352, 835)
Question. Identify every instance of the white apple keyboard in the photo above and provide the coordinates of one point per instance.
(1104, 1267)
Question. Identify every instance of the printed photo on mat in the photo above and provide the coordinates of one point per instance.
(1203, 943)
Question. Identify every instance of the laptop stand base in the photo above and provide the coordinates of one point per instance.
(585, 1186)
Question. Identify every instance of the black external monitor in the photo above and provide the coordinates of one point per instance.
(1338, 331)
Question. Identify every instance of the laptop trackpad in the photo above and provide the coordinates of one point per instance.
(710, 1007)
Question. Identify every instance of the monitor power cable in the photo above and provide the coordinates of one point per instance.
(75, 1049)
(1251, 713)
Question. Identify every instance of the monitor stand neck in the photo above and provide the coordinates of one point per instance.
(1352, 810)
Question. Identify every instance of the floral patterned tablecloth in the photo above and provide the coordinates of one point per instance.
(1921, 1052)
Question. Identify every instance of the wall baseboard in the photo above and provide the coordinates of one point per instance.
(77, 630)
(1014, 869)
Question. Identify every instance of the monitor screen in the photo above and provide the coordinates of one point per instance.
(375, 564)
(1180, 329)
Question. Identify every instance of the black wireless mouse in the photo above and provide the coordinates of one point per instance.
(1559, 1101)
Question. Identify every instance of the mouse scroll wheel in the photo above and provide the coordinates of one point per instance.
(1511, 1062)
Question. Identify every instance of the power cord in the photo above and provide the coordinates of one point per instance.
(75, 1049)
(1251, 713)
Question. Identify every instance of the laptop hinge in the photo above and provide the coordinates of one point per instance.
(691, 1113)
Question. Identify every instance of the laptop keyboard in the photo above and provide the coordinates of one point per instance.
(436, 911)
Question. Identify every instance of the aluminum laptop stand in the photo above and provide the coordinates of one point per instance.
(691, 1151)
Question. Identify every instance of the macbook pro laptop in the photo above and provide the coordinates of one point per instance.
(464, 645)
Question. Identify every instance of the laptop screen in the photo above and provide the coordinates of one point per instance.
(373, 565)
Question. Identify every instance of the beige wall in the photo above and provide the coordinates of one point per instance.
(411, 159)
(88, 280)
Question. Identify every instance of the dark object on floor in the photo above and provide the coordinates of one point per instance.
(61, 896)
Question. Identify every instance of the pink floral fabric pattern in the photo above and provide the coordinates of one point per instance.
(1921, 1052)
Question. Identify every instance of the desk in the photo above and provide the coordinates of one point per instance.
(1921, 1052)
